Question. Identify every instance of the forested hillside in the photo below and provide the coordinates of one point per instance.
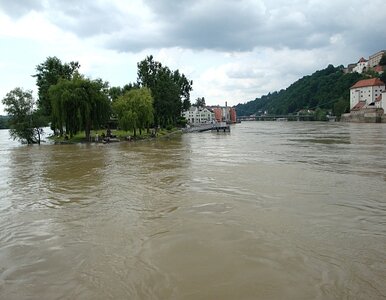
(327, 90)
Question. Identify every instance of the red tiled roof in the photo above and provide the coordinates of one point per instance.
(378, 69)
(368, 82)
(359, 105)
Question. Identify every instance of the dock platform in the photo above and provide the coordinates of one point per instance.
(219, 126)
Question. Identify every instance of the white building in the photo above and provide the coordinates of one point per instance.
(380, 101)
(375, 58)
(361, 66)
(365, 92)
(198, 115)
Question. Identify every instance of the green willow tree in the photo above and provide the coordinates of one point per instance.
(134, 110)
(49, 73)
(24, 120)
(79, 104)
(116, 91)
(170, 90)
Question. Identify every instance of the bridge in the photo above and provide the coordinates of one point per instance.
(277, 118)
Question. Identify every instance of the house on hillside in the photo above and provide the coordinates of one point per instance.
(350, 68)
(376, 58)
(380, 101)
(367, 102)
(362, 66)
(366, 91)
(379, 69)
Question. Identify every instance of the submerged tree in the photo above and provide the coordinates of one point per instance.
(25, 121)
(170, 90)
(134, 110)
(49, 73)
(79, 104)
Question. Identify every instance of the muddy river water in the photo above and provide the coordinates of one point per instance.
(271, 210)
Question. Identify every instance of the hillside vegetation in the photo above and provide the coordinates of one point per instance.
(326, 90)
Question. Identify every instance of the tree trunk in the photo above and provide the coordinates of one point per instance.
(87, 131)
(38, 133)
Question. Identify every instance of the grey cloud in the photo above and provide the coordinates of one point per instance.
(86, 18)
(238, 25)
(19, 8)
(244, 25)
(226, 25)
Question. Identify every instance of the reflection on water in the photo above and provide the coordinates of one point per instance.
(268, 211)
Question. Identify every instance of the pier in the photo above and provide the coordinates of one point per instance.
(218, 126)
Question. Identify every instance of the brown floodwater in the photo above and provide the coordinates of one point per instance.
(272, 210)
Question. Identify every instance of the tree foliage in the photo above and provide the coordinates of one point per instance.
(170, 90)
(79, 104)
(383, 77)
(383, 60)
(25, 121)
(116, 91)
(383, 64)
(322, 89)
(134, 109)
(200, 102)
(49, 73)
(341, 106)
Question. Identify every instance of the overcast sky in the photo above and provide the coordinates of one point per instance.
(233, 50)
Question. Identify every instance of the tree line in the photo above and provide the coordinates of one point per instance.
(70, 102)
(325, 91)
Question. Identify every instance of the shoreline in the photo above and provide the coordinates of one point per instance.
(116, 139)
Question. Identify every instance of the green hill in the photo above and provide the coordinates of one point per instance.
(327, 90)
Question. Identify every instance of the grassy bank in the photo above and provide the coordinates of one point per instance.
(117, 135)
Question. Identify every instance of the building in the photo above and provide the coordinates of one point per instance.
(375, 58)
(361, 66)
(380, 101)
(224, 113)
(365, 92)
(198, 115)
(350, 68)
(378, 69)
